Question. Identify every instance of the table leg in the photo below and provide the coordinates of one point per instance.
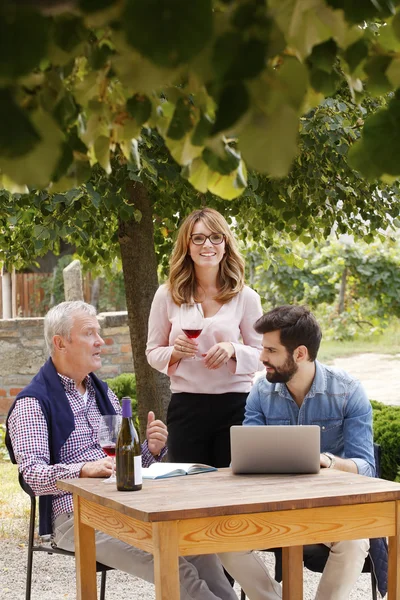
(394, 560)
(166, 560)
(85, 557)
(292, 573)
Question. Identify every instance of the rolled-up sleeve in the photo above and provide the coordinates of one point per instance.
(358, 432)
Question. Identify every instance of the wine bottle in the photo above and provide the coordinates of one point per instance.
(128, 453)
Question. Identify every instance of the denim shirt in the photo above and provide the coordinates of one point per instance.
(336, 402)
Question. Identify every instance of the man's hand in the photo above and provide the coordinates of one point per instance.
(156, 434)
(97, 468)
(324, 461)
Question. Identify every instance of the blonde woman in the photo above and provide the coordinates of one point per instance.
(211, 375)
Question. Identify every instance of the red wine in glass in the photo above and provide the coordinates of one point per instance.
(109, 427)
(191, 320)
(109, 450)
(192, 333)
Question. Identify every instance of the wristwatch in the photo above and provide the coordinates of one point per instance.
(332, 459)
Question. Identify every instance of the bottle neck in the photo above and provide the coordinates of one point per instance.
(126, 408)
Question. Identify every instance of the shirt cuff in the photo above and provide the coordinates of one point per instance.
(364, 468)
(147, 456)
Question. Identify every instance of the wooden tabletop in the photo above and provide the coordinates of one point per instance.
(222, 493)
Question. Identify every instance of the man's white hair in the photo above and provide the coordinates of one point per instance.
(59, 320)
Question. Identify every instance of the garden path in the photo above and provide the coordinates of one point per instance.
(379, 374)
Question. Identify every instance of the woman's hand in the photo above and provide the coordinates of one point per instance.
(184, 347)
(218, 355)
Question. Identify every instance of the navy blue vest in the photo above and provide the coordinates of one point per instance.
(46, 386)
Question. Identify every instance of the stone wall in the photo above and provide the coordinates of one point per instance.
(22, 352)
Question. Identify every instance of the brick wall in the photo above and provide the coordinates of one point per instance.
(22, 352)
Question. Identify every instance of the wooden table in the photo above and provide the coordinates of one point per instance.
(221, 512)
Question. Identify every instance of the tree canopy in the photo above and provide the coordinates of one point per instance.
(224, 82)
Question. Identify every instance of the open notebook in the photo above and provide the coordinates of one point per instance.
(163, 470)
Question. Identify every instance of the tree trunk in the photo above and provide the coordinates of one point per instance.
(139, 265)
(342, 292)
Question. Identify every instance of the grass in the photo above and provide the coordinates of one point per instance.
(386, 343)
(14, 505)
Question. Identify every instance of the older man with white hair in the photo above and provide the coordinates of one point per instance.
(52, 434)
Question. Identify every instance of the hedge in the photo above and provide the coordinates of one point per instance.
(125, 385)
(387, 435)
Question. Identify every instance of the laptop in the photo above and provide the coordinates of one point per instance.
(275, 448)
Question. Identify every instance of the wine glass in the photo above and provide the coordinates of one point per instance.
(109, 427)
(191, 320)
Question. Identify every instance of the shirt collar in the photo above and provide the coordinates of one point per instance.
(69, 384)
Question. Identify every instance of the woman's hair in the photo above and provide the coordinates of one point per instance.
(182, 280)
(59, 320)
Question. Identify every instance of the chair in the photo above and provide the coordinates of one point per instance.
(316, 555)
(50, 548)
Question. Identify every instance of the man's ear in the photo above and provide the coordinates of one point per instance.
(301, 354)
(58, 343)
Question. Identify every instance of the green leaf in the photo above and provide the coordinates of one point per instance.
(325, 83)
(64, 163)
(99, 56)
(35, 169)
(235, 58)
(225, 186)
(359, 12)
(306, 24)
(323, 56)
(375, 68)
(66, 111)
(17, 134)
(225, 164)
(396, 25)
(202, 130)
(233, 102)
(183, 151)
(168, 33)
(75, 142)
(102, 152)
(94, 196)
(182, 120)
(91, 6)
(393, 73)
(269, 143)
(378, 152)
(24, 36)
(139, 107)
(69, 31)
(197, 173)
(40, 232)
(356, 53)
(292, 82)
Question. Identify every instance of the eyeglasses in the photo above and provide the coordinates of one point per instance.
(199, 239)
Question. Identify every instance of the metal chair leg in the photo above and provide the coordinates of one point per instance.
(30, 549)
(103, 585)
(373, 584)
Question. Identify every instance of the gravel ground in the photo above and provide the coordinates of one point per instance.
(54, 579)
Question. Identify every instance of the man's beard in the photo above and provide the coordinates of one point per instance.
(282, 374)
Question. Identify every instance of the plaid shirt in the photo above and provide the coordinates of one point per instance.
(29, 436)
